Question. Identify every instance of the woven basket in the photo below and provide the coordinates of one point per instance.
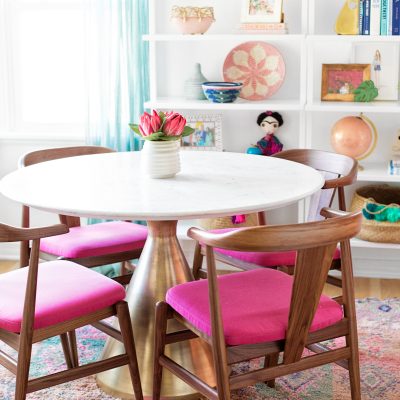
(226, 222)
(372, 230)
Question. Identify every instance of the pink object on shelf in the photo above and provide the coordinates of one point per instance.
(193, 25)
(259, 66)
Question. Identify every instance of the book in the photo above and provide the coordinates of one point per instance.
(384, 17)
(375, 18)
(390, 16)
(361, 7)
(366, 18)
(267, 28)
(396, 17)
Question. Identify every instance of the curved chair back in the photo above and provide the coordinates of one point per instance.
(338, 171)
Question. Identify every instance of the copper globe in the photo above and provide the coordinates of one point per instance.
(351, 136)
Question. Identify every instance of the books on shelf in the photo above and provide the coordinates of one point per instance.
(379, 17)
(394, 167)
(266, 28)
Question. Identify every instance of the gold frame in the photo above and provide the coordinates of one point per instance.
(326, 68)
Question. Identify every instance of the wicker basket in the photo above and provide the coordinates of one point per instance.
(372, 230)
(226, 222)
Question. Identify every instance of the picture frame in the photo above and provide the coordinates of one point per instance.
(261, 11)
(384, 60)
(207, 135)
(340, 80)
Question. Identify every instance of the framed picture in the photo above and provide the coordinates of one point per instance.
(340, 80)
(261, 11)
(207, 133)
(384, 60)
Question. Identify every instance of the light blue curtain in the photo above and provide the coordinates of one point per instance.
(118, 82)
(117, 75)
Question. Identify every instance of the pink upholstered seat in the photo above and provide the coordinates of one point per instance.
(65, 291)
(254, 316)
(96, 240)
(270, 259)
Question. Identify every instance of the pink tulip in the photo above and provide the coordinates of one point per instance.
(149, 123)
(174, 124)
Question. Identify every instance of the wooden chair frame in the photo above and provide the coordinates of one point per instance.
(315, 243)
(338, 171)
(39, 156)
(22, 342)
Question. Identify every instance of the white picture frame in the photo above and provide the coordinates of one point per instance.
(207, 135)
(384, 73)
(268, 11)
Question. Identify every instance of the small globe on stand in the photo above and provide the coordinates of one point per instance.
(354, 136)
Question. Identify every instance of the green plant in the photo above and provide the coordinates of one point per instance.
(366, 92)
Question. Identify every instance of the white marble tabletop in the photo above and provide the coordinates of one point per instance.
(113, 186)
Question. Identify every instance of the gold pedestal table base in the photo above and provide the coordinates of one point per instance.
(161, 266)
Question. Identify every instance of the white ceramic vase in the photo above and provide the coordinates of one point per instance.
(160, 159)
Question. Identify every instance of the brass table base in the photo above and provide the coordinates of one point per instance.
(161, 266)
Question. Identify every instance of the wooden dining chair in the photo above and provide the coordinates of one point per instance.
(89, 245)
(338, 171)
(55, 298)
(265, 312)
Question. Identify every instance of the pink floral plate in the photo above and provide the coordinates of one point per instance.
(259, 66)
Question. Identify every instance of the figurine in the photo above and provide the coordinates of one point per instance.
(269, 122)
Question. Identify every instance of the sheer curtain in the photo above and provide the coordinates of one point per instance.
(118, 82)
(117, 75)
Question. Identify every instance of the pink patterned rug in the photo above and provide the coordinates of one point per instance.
(379, 334)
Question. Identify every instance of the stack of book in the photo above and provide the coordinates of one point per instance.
(261, 27)
(394, 167)
(379, 17)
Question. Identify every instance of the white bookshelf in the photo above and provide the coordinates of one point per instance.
(307, 120)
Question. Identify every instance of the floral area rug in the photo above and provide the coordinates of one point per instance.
(379, 336)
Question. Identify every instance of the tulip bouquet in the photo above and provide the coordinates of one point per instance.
(162, 126)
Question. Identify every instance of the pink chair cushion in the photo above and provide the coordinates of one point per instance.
(270, 259)
(65, 291)
(96, 240)
(255, 306)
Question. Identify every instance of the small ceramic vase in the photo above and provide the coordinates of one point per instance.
(160, 159)
(193, 88)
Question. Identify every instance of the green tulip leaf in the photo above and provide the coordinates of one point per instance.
(135, 128)
(154, 136)
(365, 92)
(169, 138)
(187, 131)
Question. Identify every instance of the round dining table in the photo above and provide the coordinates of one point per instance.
(115, 186)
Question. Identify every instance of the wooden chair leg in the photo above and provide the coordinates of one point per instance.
(271, 360)
(66, 349)
(129, 343)
(160, 334)
(197, 261)
(24, 360)
(73, 348)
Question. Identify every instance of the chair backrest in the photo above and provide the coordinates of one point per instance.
(38, 156)
(315, 243)
(338, 171)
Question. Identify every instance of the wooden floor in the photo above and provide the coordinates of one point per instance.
(364, 287)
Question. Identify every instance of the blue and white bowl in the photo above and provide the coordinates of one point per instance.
(222, 92)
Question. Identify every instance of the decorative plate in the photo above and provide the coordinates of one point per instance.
(259, 66)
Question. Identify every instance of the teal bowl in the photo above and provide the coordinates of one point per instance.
(222, 92)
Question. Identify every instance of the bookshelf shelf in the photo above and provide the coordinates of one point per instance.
(239, 104)
(222, 37)
(376, 172)
(353, 38)
(348, 107)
